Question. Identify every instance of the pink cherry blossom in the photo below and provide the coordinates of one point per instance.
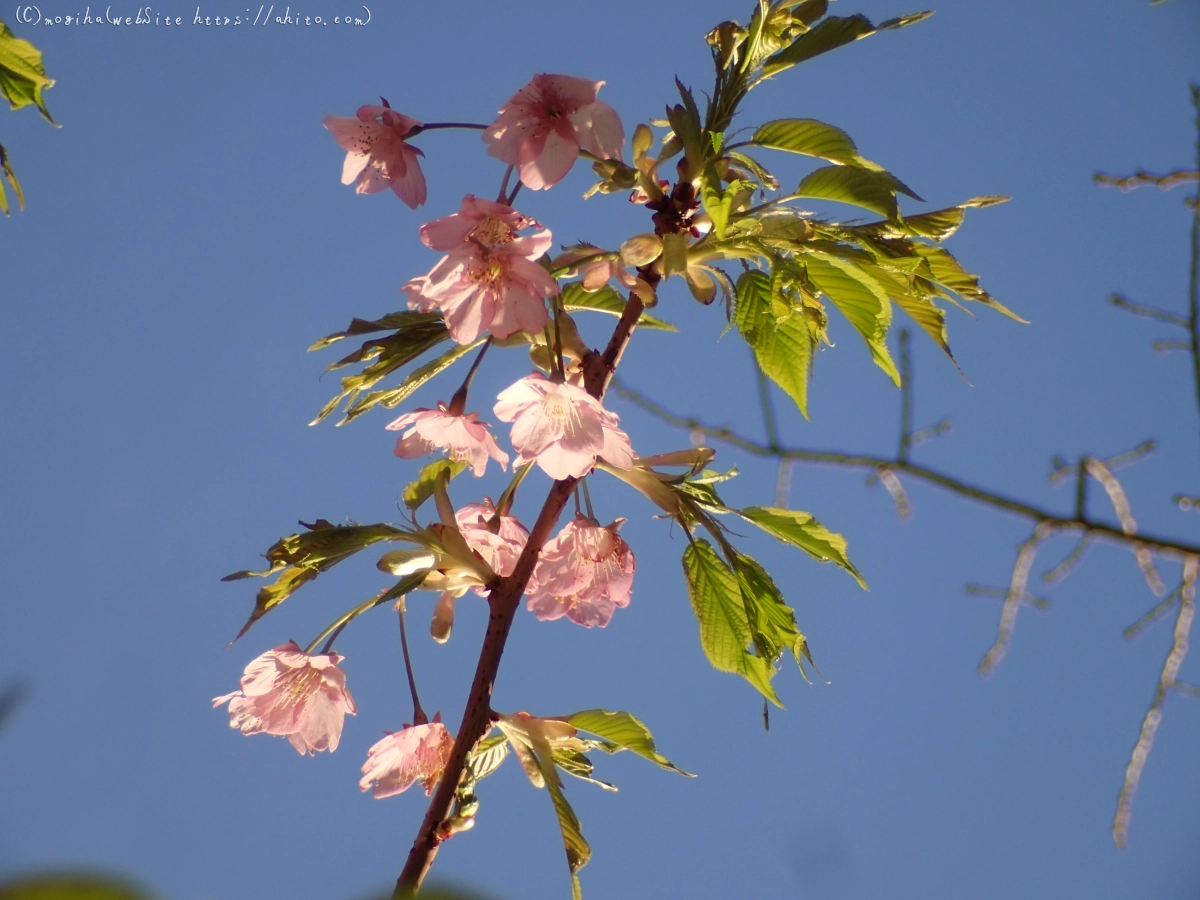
(400, 760)
(291, 693)
(561, 426)
(465, 438)
(480, 287)
(483, 221)
(377, 156)
(543, 126)
(500, 549)
(584, 573)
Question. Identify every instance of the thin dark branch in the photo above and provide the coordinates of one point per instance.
(1194, 272)
(906, 387)
(1120, 301)
(1142, 178)
(1060, 523)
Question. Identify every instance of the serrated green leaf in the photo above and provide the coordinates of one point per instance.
(22, 75)
(625, 731)
(607, 300)
(674, 256)
(801, 530)
(396, 321)
(784, 350)
(867, 188)
(772, 621)
(768, 181)
(949, 274)
(811, 138)
(724, 629)
(860, 298)
(717, 203)
(417, 492)
(828, 35)
(392, 397)
(70, 887)
(905, 21)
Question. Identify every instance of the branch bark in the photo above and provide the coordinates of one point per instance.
(504, 598)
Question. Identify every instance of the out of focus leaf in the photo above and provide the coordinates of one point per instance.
(22, 75)
(417, 492)
(70, 887)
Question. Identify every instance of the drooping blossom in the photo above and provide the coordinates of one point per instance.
(481, 286)
(294, 694)
(377, 156)
(543, 126)
(462, 436)
(598, 273)
(417, 753)
(562, 427)
(478, 532)
(479, 220)
(584, 573)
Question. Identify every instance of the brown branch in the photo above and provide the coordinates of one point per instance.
(1016, 596)
(504, 599)
(1169, 547)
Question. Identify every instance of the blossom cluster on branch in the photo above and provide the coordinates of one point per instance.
(500, 284)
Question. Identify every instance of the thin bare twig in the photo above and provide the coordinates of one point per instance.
(1148, 312)
(1160, 609)
(899, 496)
(1016, 595)
(1142, 178)
(1170, 547)
(1041, 604)
(1166, 682)
(1121, 507)
(1069, 564)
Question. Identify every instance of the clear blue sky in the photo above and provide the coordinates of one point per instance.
(187, 238)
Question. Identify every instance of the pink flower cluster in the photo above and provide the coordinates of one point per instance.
(584, 573)
(487, 281)
(402, 758)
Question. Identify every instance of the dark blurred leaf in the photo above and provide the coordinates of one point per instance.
(70, 887)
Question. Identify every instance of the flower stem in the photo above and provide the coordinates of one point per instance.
(459, 401)
(419, 717)
(503, 196)
(434, 126)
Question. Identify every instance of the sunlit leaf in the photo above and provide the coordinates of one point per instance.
(801, 530)
(22, 75)
(574, 297)
(624, 731)
(811, 138)
(860, 298)
(772, 622)
(393, 397)
(488, 755)
(724, 629)
(867, 188)
(578, 765)
(417, 492)
(827, 35)
(783, 349)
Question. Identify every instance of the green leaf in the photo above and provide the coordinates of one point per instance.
(488, 755)
(577, 764)
(784, 350)
(625, 731)
(801, 530)
(949, 274)
(415, 333)
(392, 397)
(870, 189)
(772, 622)
(22, 76)
(417, 492)
(299, 558)
(936, 225)
(724, 628)
(860, 298)
(578, 851)
(717, 203)
(70, 887)
(811, 138)
(674, 255)
(402, 320)
(11, 177)
(607, 300)
(828, 35)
